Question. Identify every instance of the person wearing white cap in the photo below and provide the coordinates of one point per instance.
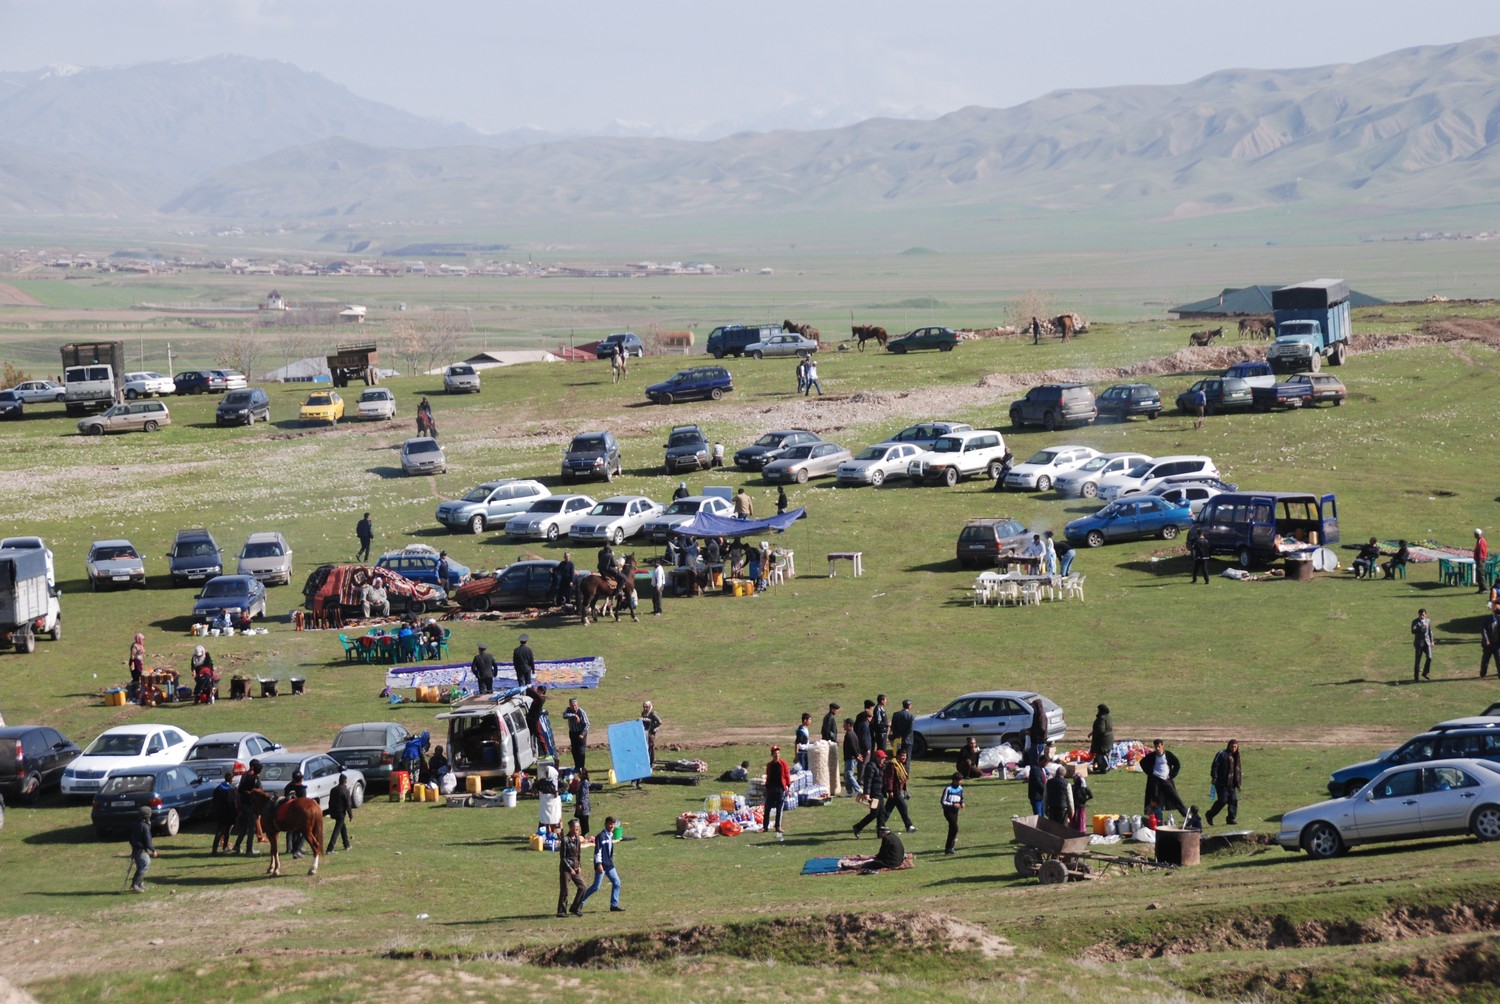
(1481, 555)
(681, 492)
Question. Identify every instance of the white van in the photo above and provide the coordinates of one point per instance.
(487, 736)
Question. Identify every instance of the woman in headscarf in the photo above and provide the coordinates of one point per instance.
(1101, 741)
(203, 676)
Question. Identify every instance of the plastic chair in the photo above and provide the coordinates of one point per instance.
(352, 651)
(443, 645)
(1073, 586)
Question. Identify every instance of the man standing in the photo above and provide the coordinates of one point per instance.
(801, 739)
(864, 732)
(743, 507)
(1421, 639)
(1200, 550)
(801, 375)
(901, 723)
(604, 867)
(562, 580)
(341, 809)
(778, 780)
(895, 790)
(875, 774)
(1161, 770)
(718, 460)
(880, 724)
(1057, 798)
(812, 378)
(249, 781)
(225, 811)
(365, 531)
(524, 660)
(534, 710)
(1225, 774)
(1064, 552)
(578, 732)
(1101, 741)
(953, 803)
(1036, 331)
(483, 668)
(830, 730)
(1481, 556)
(781, 501)
(443, 571)
(1036, 785)
(658, 586)
(1200, 405)
(142, 850)
(852, 760)
(570, 869)
(651, 722)
(1489, 645)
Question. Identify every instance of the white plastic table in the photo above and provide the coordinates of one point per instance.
(855, 558)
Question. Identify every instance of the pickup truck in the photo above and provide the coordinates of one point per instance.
(1286, 394)
(1255, 372)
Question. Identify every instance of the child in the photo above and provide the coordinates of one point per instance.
(581, 802)
(953, 802)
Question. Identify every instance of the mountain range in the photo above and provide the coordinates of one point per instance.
(235, 138)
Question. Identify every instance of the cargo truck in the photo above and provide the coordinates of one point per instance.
(93, 375)
(28, 604)
(353, 362)
(1312, 324)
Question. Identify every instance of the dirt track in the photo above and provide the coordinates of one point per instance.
(10, 296)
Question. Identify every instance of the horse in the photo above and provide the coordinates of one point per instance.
(1064, 324)
(1256, 327)
(1202, 338)
(867, 332)
(297, 815)
(594, 587)
(805, 330)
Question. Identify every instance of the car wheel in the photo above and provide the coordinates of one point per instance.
(618, 536)
(171, 824)
(1352, 786)
(1089, 490)
(1151, 415)
(1043, 483)
(59, 399)
(717, 394)
(151, 426)
(1015, 420)
(1485, 823)
(1245, 558)
(994, 469)
(718, 353)
(1208, 409)
(802, 476)
(357, 797)
(416, 607)
(25, 640)
(877, 478)
(1321, 840)
(918, 744)
(479, 604)
(757, 354)
(1049, 422)
(899, 350)
(1094, 539)
(553, 532)
(476, 524)
(95, 430)
(30, 789)
(56, 632)
(130, 394)
(1169, 533)
(609, 474)
(664, 399)
(945, 348)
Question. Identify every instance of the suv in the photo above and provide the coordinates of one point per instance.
(1055, 404)
(686, 447)
(593, 455)
(734, 339)
(267, 556)
(1149, 473)
(243, 407)
(461, 378)
(959, 455)
(1478, 741)
(195, 557)
(629, 342)
(981, 541)
(700, 381)
(1219, 394)
(490, 503)
(1126, 400)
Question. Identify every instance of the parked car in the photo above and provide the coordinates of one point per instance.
(114, 563)
(927, 433)
(629, 342)
(320, 773)
(875, 464)
(1039, 470)
(148, 384)
(461, 378)
(788, 343)
(1149, 473)
(173, 793)
(322, 406)
(214, 754)
(1474, 739)
(613, 519)
(1248, 524)
(195, 382)
(683, 511)
(195, 557)
(267, 556)
(491, 503)
(419, 563)
(11, 405)
(423, 455)
(243, 407)
(1324, 387)
(593, 455)
(687, 448)
(132, 416)
(1084, 482)
(32, 760)
(1055, 405)
(371, 748)
(1129, 519)
(517, 586)
(699, 382)
(40, 392)
(811, 460)
(376, 404)
(1434, 799)
(125, 746)
(942, 339)
(959, 455)
(990, 716)
(1220, 394)
(549, 518)
(238, 595)
(1127, 400)
(983, 540)
(1191, 495)
(228, 380)
(768, 447)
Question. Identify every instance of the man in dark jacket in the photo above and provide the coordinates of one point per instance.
(1489, 645)
(483, 668)
(892, 853)
(249, 781)
(1036, 786)
(874, 781)
(365, 531)
(1037, 734)
(341, 809)
(1200, 550)
(1160, 768)
(778, 779)
(226, 809)
(562, 580)
(578, 732)
(1101, 741)
(534, 711)
(1057, 797)
(607, 561)
(524, 661)
(142, 849)
(901, 723)
(880, 724)
(863, 731)
(1225, 773)
(1421, 639)
(570, 869)
(830, 731)
(852, 760)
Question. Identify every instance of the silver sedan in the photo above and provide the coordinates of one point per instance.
(874, 464)
(788, 344)
(811, 460)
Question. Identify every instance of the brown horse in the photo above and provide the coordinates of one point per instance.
(593, 587)
(298, 816)
(1202, 338)
(1256, 327)
(805, 330)
(1064, 325)
(868, 332)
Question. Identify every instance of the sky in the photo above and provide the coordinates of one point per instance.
(703, 69)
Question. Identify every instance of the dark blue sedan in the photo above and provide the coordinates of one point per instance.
(1129, 518)
(174, 793)
(243, 596)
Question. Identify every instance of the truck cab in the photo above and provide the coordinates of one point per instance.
(1312, 324)
(487, 736)
(1249, 524)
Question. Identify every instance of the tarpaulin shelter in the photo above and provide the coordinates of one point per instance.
(708, 525)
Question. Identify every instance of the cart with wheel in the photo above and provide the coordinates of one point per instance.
(1049, 851)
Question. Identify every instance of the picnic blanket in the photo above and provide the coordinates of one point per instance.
(848, 866)
(558, 674)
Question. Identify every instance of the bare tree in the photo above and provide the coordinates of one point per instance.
(408, 342)
(442, 334)
(241, 350)
(1032, 303)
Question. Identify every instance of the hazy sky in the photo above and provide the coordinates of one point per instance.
(681, 67)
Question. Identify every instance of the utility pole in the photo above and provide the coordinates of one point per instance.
(169, 359)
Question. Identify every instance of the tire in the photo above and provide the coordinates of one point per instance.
(416, 607)
(1094, 539)
(945, 348)
(618, 536)
(1322, 841)
(1015, 420)
(757, 354)
(1339, 351)
(898, 350)
(1169, 532)
(1337, 402)
(718, 353)
(877, 478)
(171, 824)
(130, 394)
(609, 474)
(950, 477)
(1028, 861)
(25, 640)
(1052, 872)
(1316, 365)
(802, 476)
(1351, 787)
(479, 604)
(1245, 559)
(717, 393)
(1043, 483)
(1151, 415)
(95, 430)
(1485, 823)
(993, 470)
(357, 797)
(1089, 490)
(59, 399)
(918, 744)
(56, 633)
(476, 524)
(664, 399)
(29, 790)
(1049, 422)
(1208, 409)
(553, 533)
(151, 426)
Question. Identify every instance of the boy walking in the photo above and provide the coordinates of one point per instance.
(604, 867)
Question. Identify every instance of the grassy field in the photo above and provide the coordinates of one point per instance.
(1308, 677)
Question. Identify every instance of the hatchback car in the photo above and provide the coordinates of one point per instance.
(683, 511)
(616, 518)
(549, 518)
(267, 556)
(320, 773)
(515, 587)
(194, 557)
(174, 794)
(1473, 739)
(491, 504)
(1130, 519)
(124, 746)
(371, 748)
(11, 405)
(942, 339)
(768, 447)
(983, 540)
(788, 343)
(322, 406)
(132, 416)
(376, 404)
(811, 460)
(687, 449)
(1433, 799)
(1220, 394)
(1055, 405)
(423, 455)
(32, 760)
(711, 382)
(1039, 470)
(991, 717)
(927, 433)
(593, 455)
(1127, 400)
(461, 378)
(1325, 387)
(40, 392)
(147, 384)
(874, 465)
(243, 407)
(1149, 473)
(214, 754)
(419, 563)
(1084, 482)
(240, 596)
(114, 563)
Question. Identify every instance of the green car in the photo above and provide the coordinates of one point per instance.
(942, 339)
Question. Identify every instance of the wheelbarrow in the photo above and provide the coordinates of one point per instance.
(1054, 853)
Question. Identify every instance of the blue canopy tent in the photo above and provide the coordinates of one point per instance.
(707, 525)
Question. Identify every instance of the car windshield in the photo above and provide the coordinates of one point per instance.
(266, 549)
(587, 444)
(479, 494)
(196, 549)
(222, 587)
(1113, 509)
(318, 399)
(1093, 465)
(872, 453)
(114, 553)
(128, 784)
(279, 771)
(1010, 528)
(119, 744)
(948, 444)
(375, 395)
(9, 395)
(770, 439)
(1045, 457)
(423, 446)
(682, 377)
(684, 507)
(547, 505)
(238, 397)
(214, 751)
(1139, 470)
(359, 737)
(685, 439)
(461, 370)
(608, 509)
(797, 453)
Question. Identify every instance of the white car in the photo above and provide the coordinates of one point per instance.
(1042, 468)
(1435, 798)
(786, 344)
(874, 464)
(1192, 496)
(320, 772)
(461, 378)
(616, 518)
(376, 404)
(683, 511)
(423, 455)
(39, 392)
(139, 745)
(1083, 482)
(148, 384)
(1149, 473)
(549, 518)
(233, 379)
